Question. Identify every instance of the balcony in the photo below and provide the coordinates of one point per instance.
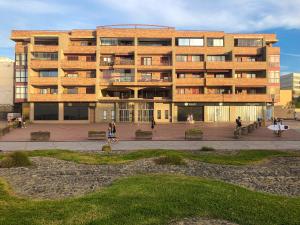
(220, 81)
(78, 81)
(250, 82)
(273, 50)
(78, 64)
(79, 97)
(43, 64)
(219, 65)
(73, 49)
(247, 51)
(190, 65)
(34, 80)
(111, 49)
(43, 98)
(45, 48)
(191, 81)
(258, 65)
(154, 82)
(162, 65)
(154, 49)
(223, 98)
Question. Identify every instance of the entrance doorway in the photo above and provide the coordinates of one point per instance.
(185, 111)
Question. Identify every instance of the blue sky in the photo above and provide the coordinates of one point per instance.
(281, 17)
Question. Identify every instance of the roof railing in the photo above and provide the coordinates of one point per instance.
(136, 26)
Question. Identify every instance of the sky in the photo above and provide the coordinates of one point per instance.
(245, 16)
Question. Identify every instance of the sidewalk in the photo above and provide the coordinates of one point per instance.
(139, 145)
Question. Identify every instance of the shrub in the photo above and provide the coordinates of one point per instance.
(207, 149)
(106, 148)
(170, 160)
(15, 159)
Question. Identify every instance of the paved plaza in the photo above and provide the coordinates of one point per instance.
(126, 132)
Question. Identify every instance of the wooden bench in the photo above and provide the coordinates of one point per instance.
(97, 135)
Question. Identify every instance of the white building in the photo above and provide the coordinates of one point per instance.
(291, 81)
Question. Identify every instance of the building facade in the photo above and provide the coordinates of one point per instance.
(6, 86)
(136, 73)
(291, 82)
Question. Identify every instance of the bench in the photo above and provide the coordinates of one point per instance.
(97, 135)
(143, 135)
(40, 136)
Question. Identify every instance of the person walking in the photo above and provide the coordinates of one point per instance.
(109, 134)
(238, 122)
(152, 123)
(114, 131)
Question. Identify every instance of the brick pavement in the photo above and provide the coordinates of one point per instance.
(212, 131)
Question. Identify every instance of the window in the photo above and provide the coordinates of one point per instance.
(219, 75)
(181, 75)
(90, 90)
(166, 114)
(238, 75)
(72, 75)
(53, 56)
(21, 60)
(71, 91)
(21, 75)
(146, 76)
(251, 75)
(113, 114)
(146, 61)
(43, 91)
(46, 111)
(91, 58)
(48, 73)
(109, 41)
(216, 58)
(274, 76)
(158, 114)
(72, 58)
(165, 60)
(76, 111)
(190, 42)
(21, 92)
(105, 114)
(181, 58)
(196, 58)
(243, 42)
(91, 74)
(215, 42)
(274, 60)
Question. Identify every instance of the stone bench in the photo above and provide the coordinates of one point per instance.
(4, 131)
(40, 136)
(193, 134)
(143, 135)
(237, 133)
(244, 130)
(96, 135)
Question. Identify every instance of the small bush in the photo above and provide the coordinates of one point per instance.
(207, 149)
(15, 159)
(170, 160)
(106, 148)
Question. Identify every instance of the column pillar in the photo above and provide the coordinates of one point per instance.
(31, 111)
(61, 111)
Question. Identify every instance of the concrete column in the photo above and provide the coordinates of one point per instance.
(136, 112)
(61, 111)
(31, 111)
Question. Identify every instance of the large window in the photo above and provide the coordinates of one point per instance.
(117, 41)
(215, 42)
(45, 111)
(243, 42)
(190, 42)
(181, 58)
(45, 56)
(21, 92)
(216, 58)
(146, 61)
(274, 76)
(48, 73)
(21, 60)
(21, 75)
(76, 111)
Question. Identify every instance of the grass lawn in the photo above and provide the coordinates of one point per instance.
(153, 199)
(241, 158)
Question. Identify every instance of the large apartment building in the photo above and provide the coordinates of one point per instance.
(291, 82)
(136, 73)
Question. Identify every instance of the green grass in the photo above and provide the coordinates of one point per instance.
(240, 158)
(153, 199)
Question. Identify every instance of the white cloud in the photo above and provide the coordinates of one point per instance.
(233, 15)
(290, 54)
